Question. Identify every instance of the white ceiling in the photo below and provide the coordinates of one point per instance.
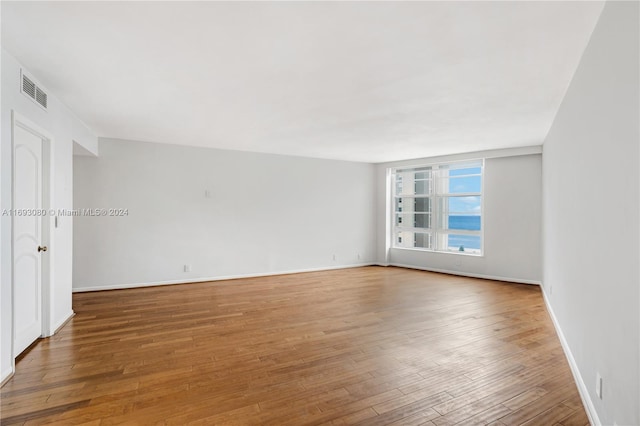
(363, 81)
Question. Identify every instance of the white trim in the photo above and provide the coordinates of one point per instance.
(582, 388)
(468, 274)
(63, 322)
(48, 226)
(6, 376)
(477, 155)
(457, 253)
(220, 278)
(389, 215)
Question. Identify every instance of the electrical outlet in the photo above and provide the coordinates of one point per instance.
(599, 385)
(187, 268)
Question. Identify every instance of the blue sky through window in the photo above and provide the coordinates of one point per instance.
(467, 205)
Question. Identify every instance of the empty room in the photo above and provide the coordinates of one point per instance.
(320, 213)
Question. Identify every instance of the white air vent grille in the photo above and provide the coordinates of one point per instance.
(41, 97)
(32, 90)
(28, 87)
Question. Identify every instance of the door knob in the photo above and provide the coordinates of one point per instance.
(41, 248)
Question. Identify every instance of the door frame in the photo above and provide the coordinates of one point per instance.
(19, 120)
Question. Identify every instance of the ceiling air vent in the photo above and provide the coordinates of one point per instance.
(32, 90)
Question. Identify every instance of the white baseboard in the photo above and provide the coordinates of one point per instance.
(467, 274)
(298, 271)
(62, 322)
(6, 376)
(220, 278)
(582, 388)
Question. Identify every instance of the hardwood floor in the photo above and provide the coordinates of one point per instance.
(370, 346)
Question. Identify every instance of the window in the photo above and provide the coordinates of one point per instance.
(438, 207)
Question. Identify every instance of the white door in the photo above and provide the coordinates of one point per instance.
(27, 238)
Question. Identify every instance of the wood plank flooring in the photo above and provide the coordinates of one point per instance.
(368, 346)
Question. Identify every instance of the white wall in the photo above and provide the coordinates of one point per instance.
(65, 128)
(512, 220)
(591, 216)
(267, 214)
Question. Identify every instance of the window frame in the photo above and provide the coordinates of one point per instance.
(435, 196)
